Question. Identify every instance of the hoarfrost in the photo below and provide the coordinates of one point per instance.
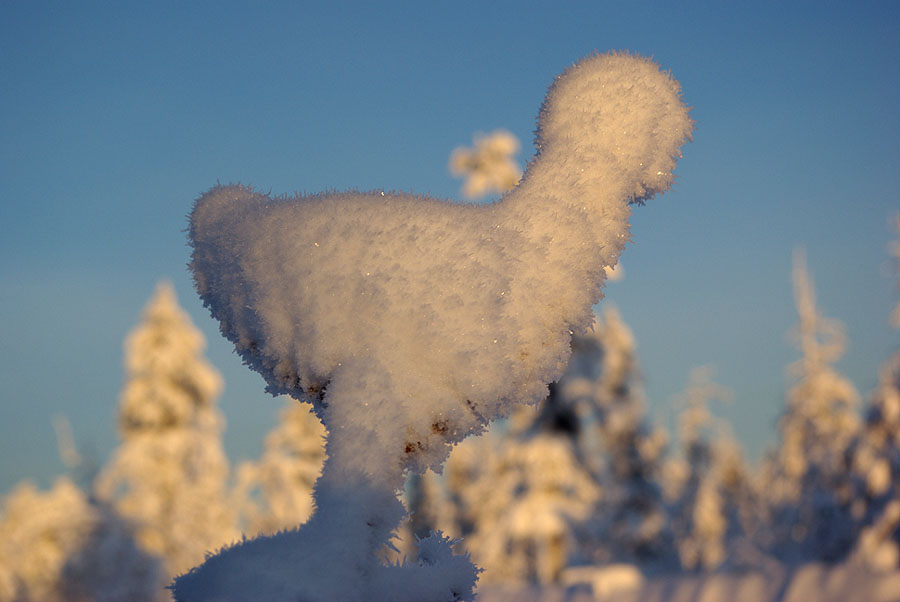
(169, 474)
(411, 322)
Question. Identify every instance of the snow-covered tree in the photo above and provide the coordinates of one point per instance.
(533, 496)
(169, 474)
(739, 498)
(877, 456)
(701, 513)
(489, 166)
(529, 496)
(276, 492)
(517, 495)
(59, 546)
(622, 448)
(809, 480)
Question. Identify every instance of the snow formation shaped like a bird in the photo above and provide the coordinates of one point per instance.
(410, 322)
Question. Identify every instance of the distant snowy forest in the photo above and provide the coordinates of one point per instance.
(581, 497)
(582, 492)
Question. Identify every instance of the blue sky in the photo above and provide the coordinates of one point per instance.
(115, 116)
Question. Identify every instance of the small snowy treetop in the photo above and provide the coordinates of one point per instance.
(696, 420)
(168, 378)
(821, 340)
(615, 273)
(820, 394)
(604, 365)
(488, 167)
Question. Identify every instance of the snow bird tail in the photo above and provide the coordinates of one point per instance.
(211, 233)
(224, 224)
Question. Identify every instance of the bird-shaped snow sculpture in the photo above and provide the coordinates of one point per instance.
(411, 322)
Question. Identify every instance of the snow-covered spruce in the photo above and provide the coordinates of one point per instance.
(410, 322)
(61, 546)
(630, 522)
(275, 492)
(578, 481)
(169, 474)
(811, 485)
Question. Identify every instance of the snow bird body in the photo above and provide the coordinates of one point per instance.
(411, 322)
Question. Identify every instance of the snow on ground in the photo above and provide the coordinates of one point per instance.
(813, 582)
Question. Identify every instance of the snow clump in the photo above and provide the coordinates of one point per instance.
(411, 322)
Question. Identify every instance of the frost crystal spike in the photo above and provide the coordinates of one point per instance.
(410, 322)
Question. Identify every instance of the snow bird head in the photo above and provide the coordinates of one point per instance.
(622, 117)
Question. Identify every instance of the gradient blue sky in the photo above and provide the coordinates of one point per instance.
(115, 116)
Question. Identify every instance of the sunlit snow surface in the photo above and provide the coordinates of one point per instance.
(410, 322)
(848, 582)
